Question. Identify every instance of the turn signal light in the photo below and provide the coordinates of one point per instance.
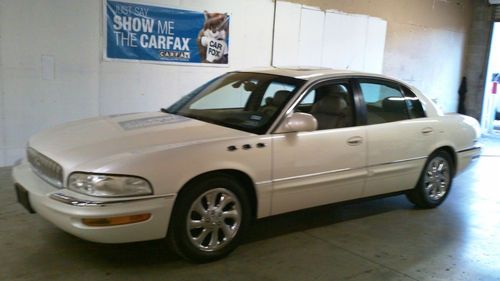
(116, 220)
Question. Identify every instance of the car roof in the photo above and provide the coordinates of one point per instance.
(315, 73)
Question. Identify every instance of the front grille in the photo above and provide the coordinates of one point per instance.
(45, 168)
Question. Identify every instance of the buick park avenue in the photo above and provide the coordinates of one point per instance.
(245, 145)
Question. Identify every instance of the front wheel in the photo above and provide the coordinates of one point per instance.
(435, 181)
(209, 218)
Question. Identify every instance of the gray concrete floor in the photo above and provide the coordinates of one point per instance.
(383, 239)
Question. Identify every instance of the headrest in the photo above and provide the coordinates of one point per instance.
(333, 90)
(330, 105)
(280, 97)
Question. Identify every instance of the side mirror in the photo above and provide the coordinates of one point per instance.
(298, 122)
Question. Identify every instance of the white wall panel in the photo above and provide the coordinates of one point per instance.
(307, 36)
(311, 37)
(375, 45)
(345, 40)
(286, 34)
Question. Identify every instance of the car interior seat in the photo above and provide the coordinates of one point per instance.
(330, 112)
(276, 102)
(394, 109)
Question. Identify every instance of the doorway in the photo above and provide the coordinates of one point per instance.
(490, 118)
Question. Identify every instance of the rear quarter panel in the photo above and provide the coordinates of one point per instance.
(459, 132)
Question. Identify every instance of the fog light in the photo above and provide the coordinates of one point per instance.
(116, 220)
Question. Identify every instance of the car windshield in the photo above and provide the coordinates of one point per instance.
(240, 100)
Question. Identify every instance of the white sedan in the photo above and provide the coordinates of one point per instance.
(245, 145)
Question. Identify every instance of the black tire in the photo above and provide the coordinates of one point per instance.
(434, 184)
(219, 227)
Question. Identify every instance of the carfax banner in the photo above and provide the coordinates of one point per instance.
(159, 34)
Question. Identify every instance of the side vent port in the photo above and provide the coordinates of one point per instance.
(246, 146)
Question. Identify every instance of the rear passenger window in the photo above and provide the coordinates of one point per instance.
(415, 108)
(384, 103)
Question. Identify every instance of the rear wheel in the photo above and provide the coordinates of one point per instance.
(435, 181)
(209, 218)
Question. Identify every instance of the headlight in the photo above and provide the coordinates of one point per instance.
(108, 186)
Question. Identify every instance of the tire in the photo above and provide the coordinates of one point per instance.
(435, 181)
(209, 218)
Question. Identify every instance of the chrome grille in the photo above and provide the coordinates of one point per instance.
(45, 167)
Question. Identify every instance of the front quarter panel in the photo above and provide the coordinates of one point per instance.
(168, 169)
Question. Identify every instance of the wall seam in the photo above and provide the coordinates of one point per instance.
(273, 34)
(300, 26)
(100, 56)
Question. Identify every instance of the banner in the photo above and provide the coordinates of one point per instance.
(151, 33)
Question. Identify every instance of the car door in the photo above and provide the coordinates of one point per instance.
(322, 166)
(399, 137)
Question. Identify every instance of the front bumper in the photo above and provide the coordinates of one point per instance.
(66, 209)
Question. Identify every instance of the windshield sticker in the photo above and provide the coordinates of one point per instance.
(251, 123)
(256, 117)
(151, 121)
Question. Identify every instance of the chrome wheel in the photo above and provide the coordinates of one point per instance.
(214, 219)
(437, 178)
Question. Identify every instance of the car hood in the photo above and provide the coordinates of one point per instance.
(105, 138)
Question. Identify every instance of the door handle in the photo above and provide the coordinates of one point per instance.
(426, 131)
(355, 141)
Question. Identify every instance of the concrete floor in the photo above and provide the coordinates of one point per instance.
(384, 239)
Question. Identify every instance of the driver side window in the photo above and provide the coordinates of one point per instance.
(330, 104)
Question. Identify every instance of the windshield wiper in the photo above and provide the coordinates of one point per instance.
(164, 110)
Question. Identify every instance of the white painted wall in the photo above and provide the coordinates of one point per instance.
(311, 36)
(83, 85)
(287, 23)
(425, 40)
(429, 59)
(66, 30)
(425, 44)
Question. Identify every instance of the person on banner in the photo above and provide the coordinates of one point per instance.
(212, 43)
